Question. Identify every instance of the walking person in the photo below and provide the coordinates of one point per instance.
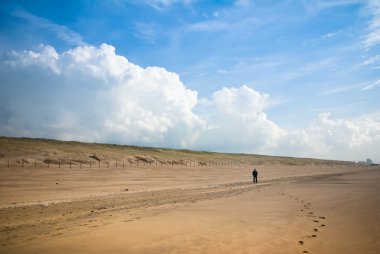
(254, 174)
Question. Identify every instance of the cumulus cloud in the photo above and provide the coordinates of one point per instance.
(335, 138)
(92, 94)
(237, 122)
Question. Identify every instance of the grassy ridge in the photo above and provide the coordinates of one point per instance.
(53, 151)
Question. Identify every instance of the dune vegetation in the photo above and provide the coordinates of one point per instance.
(27, 151)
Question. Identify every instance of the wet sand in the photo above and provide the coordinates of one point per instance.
(291, 210)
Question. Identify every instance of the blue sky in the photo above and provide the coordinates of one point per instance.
(312, 69)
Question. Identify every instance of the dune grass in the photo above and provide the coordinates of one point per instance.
(54, 151)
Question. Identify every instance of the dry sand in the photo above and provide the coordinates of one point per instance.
(190, 210)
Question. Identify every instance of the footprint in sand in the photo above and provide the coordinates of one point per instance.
(305, 251)
(323, 225)
(316, 220)
(322, 217)
(315, 230)
(300, 242)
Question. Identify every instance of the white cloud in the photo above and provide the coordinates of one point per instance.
(148, 32)
(371, 86)
(216, 14)
(371, 60)
(372, 38)
(228, 23)
(328, 35)
(336, 138)
(237, 122)
(62, 32)
(320, 5)
(209, 25)
(92, 94)
(161, 5)
(243, 3)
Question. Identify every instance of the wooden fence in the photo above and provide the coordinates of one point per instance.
(9, 163)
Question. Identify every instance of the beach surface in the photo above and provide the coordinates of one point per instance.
(190, 210)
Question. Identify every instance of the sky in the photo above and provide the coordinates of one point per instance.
(285, 77)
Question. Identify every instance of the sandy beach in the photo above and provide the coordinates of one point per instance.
(137, 127)
(191, 210)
